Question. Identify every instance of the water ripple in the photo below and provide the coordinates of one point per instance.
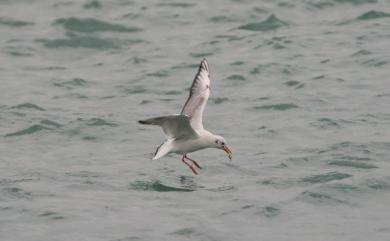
(317, 197)
(29, 130)
(14, 23)
(84, 42)
(73, 83)
(353, 164)
(90, 25)
(281, 107)
(93, 4)
(156, 186)
(270, 211)
(17, 193)
(51, 215)
(99, 122)
(326, 177)
(271, 23)
(28, 106)
(177, 4)
(373, 15)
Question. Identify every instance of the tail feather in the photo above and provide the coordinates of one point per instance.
(144, 122)
(173, 125)
(153, 121)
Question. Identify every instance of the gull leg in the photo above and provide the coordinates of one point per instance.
(191, 167)
(193, 161)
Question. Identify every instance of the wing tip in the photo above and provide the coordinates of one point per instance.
(143, 122)
(204, 65)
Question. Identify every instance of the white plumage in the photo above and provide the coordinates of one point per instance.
(185, 132)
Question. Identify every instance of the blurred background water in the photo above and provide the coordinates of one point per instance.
(300, 90)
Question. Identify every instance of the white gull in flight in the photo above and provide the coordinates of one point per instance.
(185, 132)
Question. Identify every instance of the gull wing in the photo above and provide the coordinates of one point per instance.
(199, 94)
(174, 126)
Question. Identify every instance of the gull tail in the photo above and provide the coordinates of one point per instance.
(145, 122)
(163, 149)
(154, 121)
(174, 126)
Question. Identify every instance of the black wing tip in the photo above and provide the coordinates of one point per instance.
(143, 122)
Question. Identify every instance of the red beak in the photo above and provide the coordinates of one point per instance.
(228, 151)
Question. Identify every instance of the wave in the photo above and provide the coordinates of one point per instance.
(271, 23)
(156, 186)
(90, 25)
(281, 107)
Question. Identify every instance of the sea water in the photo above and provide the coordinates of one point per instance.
(299, 89)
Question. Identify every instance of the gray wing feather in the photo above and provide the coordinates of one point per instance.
(199, 94)
(174, 126)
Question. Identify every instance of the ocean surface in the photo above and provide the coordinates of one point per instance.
(300, 90)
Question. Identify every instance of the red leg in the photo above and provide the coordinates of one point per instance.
(191, 167)
(193, 161)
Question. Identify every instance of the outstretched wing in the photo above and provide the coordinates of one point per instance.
(174, 126)
(199, 94)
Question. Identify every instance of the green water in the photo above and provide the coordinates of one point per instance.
(299, 89)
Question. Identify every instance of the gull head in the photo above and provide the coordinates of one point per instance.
(220, 143)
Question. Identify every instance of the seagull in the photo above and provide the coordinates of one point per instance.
(185, 132)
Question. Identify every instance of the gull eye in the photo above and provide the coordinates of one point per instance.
(223, 143)
(216, 141)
